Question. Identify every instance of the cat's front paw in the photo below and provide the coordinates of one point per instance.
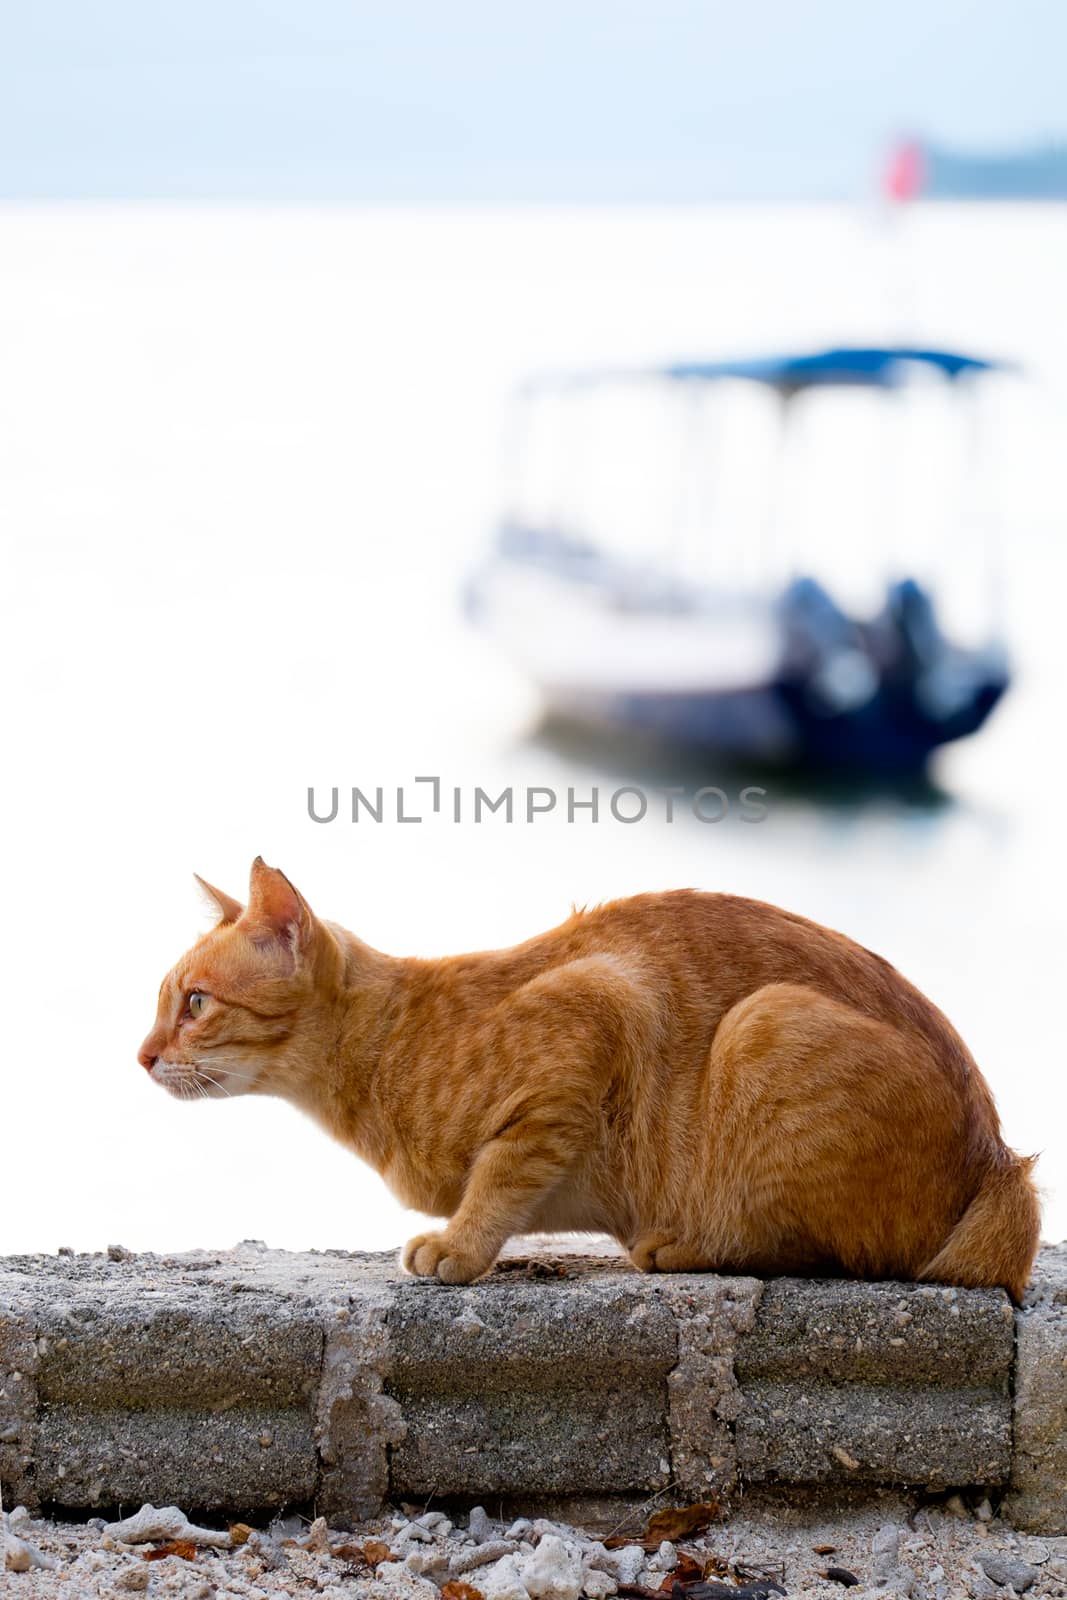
(435, 1255)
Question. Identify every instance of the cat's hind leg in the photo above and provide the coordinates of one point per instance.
(837, 1141)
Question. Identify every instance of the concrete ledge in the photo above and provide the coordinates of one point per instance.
(245, 1380)
(522, 1387)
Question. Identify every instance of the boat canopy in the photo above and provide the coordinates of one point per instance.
(846, 366)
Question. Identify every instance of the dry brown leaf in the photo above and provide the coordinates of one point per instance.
(680, 1522)
(824, 1549)
(688, 1572)
(173, 1547)
(349, 1552)
(240, 1533)
(454, 1589)
(689, 1569)
(375, 1551)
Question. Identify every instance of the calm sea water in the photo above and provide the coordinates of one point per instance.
(245, 459)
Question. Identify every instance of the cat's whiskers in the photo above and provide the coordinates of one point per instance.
(205, 1077)
(232, 1074)
(217, 1063)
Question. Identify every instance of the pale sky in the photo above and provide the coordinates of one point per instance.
(496, 102)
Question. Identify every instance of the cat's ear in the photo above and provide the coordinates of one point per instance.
(228, 908)
(277, 909)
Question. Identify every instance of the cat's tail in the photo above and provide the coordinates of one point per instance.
(995, 1241)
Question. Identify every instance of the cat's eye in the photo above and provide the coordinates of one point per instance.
(197, 1002)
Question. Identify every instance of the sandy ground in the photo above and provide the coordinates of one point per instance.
(882, 1547)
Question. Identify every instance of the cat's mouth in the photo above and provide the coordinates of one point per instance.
(187, 1080)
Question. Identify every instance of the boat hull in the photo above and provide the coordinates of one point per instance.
(778, 724)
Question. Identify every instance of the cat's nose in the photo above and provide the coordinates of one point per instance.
(146, 1058)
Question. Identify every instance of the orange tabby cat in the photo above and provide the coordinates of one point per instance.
(718, 1084)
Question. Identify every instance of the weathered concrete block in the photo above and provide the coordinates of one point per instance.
(244, 1459)
(1039, 1475)
(177, 1351)
(869, 1435)
(876, 1383)
(543, 1387)
(154, 1382)
(18, 1396)
(843, 1331)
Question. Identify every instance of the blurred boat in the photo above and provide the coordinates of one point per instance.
(758, 659)
(917, 169)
